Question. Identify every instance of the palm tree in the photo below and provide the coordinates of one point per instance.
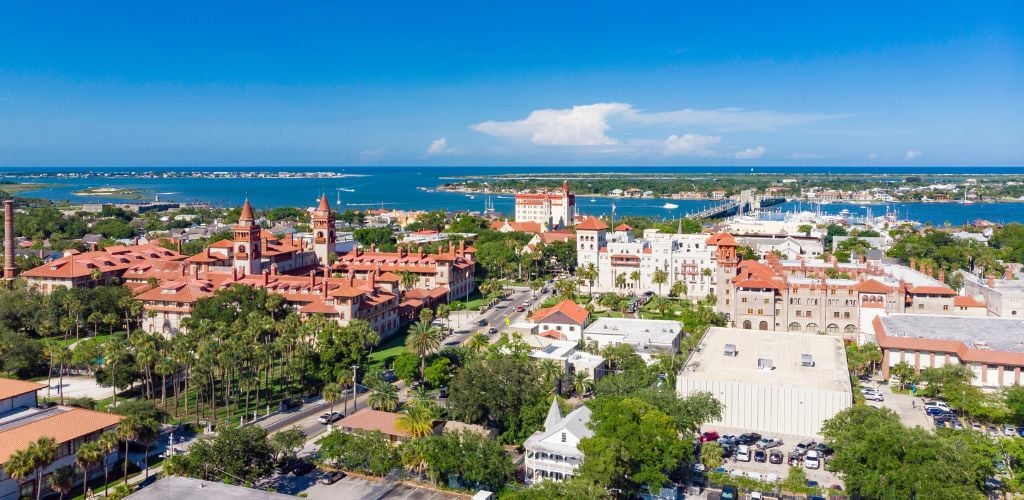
(635, 278)
(588, 273)
(19, 466)
(88, 454)
(660, 277)
(384, 398)
(660, 304)
(408, 279)
(331, 393)
(551, 371)
(414, 455)
(581, 383)
(417, 420)
(478, 342)
(566, 288)
(107, 443)
(42, 453)
(423, 339)
(127, 430)
(620, 280)
(62, 480)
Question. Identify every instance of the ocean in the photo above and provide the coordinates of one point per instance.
(396, 187)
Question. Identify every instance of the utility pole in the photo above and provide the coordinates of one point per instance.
(354, 402)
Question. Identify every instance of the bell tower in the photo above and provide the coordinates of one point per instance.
(247, 251)
(323, 231)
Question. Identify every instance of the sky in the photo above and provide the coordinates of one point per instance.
(211, 83)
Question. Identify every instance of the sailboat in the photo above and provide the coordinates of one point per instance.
(965, 201)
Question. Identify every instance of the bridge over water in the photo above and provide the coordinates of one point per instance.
(743, 203)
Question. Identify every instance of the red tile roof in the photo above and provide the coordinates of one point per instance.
(246, 211)
(872, 286)
(623, 227)
(931, 290)
(590, 223)
(966, 301)
(10, 387)
(62, 424)
(722, 238)
(567, 307)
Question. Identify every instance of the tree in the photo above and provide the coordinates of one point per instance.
(438, 371)
(503, 390)
(566, 288)
(88, 455)
(660, 277)
(406, 366)
(904, 372)
(417, 420)
(476, 461)
(635, 278)
(620, 280)
(796, 480)
(711, 455)
(340, 347)
(287, 443)
(236, 454)
(634, 444)
(42, 452)
(678, 289)
(573, 489)
(62, 480)
(108, 443)
(478, 342)
(384, 397)
(408, 279)
(423, 339)
(371, 453)
(590, 274)
(878, 457)
(551, 371)
(20, 465)
(331, 392)
(581, 383)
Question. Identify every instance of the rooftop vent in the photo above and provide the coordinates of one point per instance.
(765, 364)
(730, 349)
(806, 360)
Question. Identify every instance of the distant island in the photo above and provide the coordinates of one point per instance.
(120, 192)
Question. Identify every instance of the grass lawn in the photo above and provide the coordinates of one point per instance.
(388, 351)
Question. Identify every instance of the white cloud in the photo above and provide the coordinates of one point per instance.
(440, 147)
(577, 126)
(690, 144)
(751, 153)
(589, 125)
(912, 153)
(805, 156)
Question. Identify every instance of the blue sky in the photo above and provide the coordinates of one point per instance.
(514, 83)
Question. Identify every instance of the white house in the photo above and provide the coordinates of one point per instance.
(553, 453)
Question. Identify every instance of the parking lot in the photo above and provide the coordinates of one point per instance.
(357, 487)
(908, 407)
(780, 471)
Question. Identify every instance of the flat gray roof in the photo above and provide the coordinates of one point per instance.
(999, 334)
(175, 487)
(783, 348)
(637, 331)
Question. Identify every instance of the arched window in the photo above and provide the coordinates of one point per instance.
(763, 325)
(794, 327)
(812, 327)
(746, 325)
(850, 329)
(832, 328)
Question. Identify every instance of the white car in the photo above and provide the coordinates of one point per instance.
(812, 460)
(936, 404)
(873, 396)
(743, 453)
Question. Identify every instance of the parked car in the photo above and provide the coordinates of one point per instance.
(482, 322)
(289, 404)
(992, 431)
(492, 330)
(728, 450)
(1008, 430)
(874, 396)
(442, 393)
(775, 457)
(812, 460)
(743, 453)
(709, 435)
(748, 438)
(935, 410)
(330, 417)
(760, 456)
(976, 426)
(332, 477)
(823, 449)
(992, 484)
(756, 495)
(936, 404)
(731, 439)
(769, 443)
(520, 309)
(302, 467)
(803, 446)
(729, 492)
(794, 458)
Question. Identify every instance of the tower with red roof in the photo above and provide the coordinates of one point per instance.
(246, 247)
(323, 231)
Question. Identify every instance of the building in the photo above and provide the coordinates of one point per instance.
(572, 360)
(172, 487)
(562, 321)
(1002, 297)
(550, 210)
(647, 336)
(785, 246)
(449, 270)
(88, 269)
(22, 422)
(814, 295)
(654, 263)
(993, 348)
(505, 226)
(369, 420)
(770, 382)
(552, 453)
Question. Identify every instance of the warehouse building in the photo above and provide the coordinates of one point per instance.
(770, 382)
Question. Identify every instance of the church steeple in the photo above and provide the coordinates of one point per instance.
(323, 231)
(247, 249)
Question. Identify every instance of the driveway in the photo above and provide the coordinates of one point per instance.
(908, 407)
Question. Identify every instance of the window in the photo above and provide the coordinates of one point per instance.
(794, 327)
(746, 325)
(563, 437)
(832, 328)
(945, 307)
(812, 327)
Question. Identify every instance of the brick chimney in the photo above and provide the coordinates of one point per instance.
(373, 247)
(462, 247)
(1008, 275)
(10, 270)
(942, 276)
(991, 281)
(913, 263)
(177, 241)
(312, 277)
(419, 251)
(273, 269)
(195, 272)
(266, 277)
(371, 279)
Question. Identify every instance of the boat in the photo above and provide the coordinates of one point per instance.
(593, 200)
(347, 190)
(670, 206)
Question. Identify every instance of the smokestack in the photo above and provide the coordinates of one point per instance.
(9, 269)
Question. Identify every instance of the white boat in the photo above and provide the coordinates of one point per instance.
(670, 206)
(347, 190)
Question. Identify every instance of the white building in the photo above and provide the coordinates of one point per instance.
(552, 453)
(1002, 297)
(570, 358)
(646, 336)
(770, 382)
(550, 210)
(684, 258)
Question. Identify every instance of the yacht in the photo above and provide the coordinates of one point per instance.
(670, 206)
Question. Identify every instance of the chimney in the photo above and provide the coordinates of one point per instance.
(312, 277)
(371, 279)
(183, 270)
(462, 246)
(195, 272)
(234, 274)
(351, 278)
(273, 269)
(991, 281)
(1008, 275)
(835, 261)
(373, 247)
(419, 251)
(942, 276)
(325, 290)
(327, 273)
(266, 277)
(9, 268)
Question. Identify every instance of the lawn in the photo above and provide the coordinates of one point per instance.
(385, 353)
